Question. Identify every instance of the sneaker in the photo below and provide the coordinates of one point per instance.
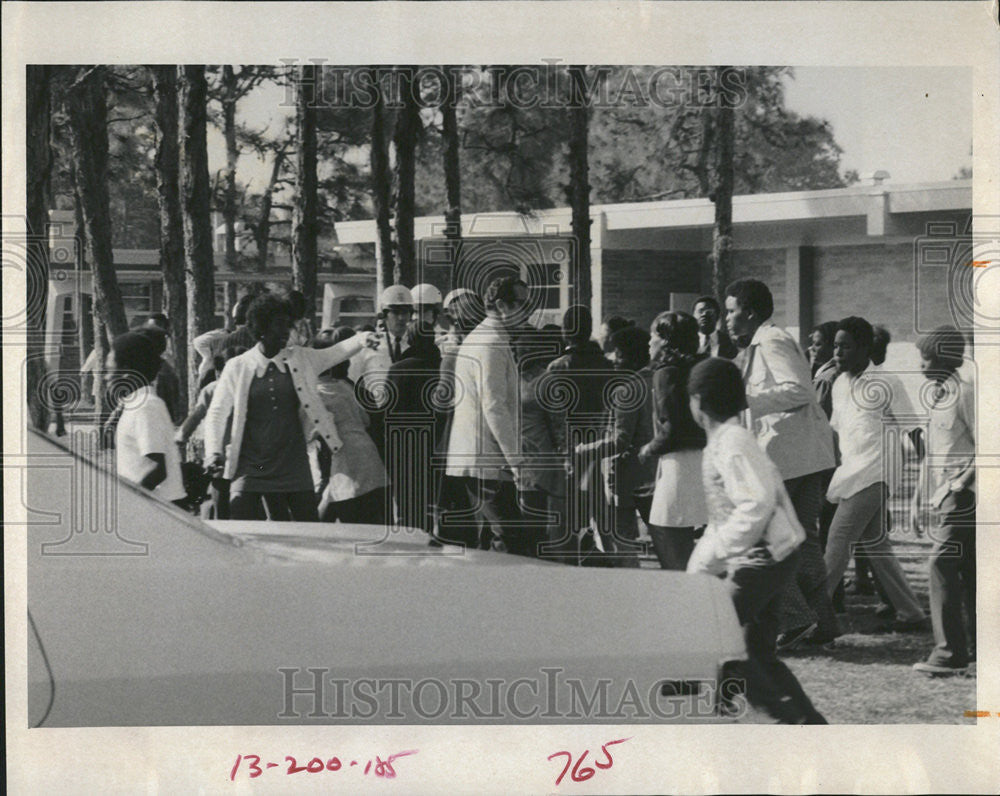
(939, 670)
(791, 638)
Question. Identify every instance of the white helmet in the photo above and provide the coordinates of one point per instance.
(454, 294)
(426, 294)
(395, 296)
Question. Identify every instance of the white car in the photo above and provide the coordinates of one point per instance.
(141, 614)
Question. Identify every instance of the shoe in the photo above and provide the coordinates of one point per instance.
(885, 612)
(921, 625)
(825, 641)
(939, 670)
(791, 638)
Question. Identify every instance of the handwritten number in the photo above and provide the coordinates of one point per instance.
(255, 769)
(232, 774)
(292, 768)
(569, 759)
(581, 774)
(315, 765)
(333, 764)
(607, 754)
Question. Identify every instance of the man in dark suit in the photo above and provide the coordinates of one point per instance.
(712, 339)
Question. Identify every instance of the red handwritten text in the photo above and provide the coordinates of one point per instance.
(254, 768)
(580, 772)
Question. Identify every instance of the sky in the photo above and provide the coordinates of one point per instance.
(914, 122)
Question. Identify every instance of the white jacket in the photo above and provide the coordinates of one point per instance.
(747, 504)
(485, 428)
(233, 389)
(783, 411)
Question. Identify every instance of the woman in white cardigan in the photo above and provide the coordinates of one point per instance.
(271, 393)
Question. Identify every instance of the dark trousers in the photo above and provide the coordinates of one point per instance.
(953, 580)
(806, 599)
(367, 509)
(275, 506)
(543, 517)
(757, 592)
(673, 546)
(455, 518)
(217, 506)
(496, 505)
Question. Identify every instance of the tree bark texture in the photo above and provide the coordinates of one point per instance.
(305, 212)
(262, 231)
(720, 259)
(229, 97)
(196, 199)
(452, 167)
(167, 165)
(39, 168)
(405, 143)
(381, 188)
(87, 111)
(579, 185)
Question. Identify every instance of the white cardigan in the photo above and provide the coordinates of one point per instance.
(233, 389)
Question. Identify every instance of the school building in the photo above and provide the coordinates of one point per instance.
(898, 255)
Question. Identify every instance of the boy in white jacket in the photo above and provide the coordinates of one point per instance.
(752, 536)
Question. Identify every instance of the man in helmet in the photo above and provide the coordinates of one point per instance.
(395, 309)
(426, 305)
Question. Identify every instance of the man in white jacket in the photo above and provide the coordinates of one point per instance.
(784, 414)
(484, 444)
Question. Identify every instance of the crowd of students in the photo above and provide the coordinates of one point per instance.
(744, 457)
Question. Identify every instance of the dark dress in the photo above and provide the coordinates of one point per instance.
(413, 430)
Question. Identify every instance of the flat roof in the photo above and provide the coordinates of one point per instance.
(853, 201)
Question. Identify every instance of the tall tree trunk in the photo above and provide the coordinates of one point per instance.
(381, 188)
(305, 215)
(85, 338)
(167, 164)
(405, 143)
(229, 95)
(579, 185)
(722, 231)
(262, 231)
(39, 168)
(452, 168)
(86, 107)
(196, 197)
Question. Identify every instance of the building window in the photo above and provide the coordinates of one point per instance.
(220, 299)
(551, 296)
(137, 298)
(356, 310)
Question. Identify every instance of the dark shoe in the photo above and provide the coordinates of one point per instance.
(791, 638)
(860, 587)
(939, 670)
(885, 612)
(825, 641)
(922, 625)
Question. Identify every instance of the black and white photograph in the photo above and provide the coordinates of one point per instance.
(488, 415)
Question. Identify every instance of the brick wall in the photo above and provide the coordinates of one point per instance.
(637, 283)
(767, 265)
(876, 281)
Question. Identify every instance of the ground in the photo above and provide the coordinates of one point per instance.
(866, 677)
